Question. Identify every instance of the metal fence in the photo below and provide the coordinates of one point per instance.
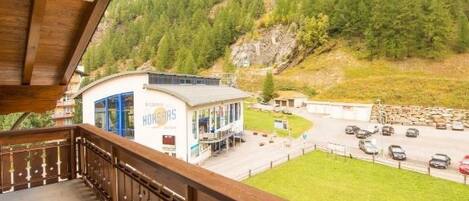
(349, 153)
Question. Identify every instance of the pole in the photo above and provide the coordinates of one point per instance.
(373, 158)
(249, 172)
(399, 164)
(428, 170)
(465, 179)
(271, 164)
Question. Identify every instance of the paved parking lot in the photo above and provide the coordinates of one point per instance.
(430, 141)
(250, 155)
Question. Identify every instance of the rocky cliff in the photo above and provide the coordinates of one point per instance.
(273, 48)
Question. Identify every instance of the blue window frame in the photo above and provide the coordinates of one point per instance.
(116, 114)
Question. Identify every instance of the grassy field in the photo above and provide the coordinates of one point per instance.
(264, 122)
(320, 177)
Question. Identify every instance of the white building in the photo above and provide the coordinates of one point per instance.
(185, 116)
(290, 99)
(348, 111)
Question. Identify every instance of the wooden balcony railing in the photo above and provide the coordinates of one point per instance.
(114, 167)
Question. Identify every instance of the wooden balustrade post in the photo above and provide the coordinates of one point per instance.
(191, 193)
(73, 159)
(114, 180)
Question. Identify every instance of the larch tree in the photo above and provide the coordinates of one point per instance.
(162, 59)
(268, 88)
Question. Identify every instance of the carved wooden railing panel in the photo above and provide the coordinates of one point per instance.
(29, 159)
(114, 167)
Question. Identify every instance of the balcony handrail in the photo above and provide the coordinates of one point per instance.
(200, 184)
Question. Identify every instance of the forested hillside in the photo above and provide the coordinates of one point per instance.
(171, 34)
(394, 29)
(189, 35)
(423, 41)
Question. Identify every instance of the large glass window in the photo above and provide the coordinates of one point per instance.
(116, 114)
(128, 115)
(112, 113)
(194, 125)
(100, 114)
(203, 121)
(212, 120)
(217, 113)
(232, 113)
(227, 114)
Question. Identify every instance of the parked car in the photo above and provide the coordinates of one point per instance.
(464, 165)
(368, 146)
(396, 152)
(440, 125)
(362, 134)
(373, 129)
(440, 161)
(387, 130)
(457, 126)
(351, 130)
(412, 132)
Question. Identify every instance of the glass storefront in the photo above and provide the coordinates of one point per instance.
(116, 114)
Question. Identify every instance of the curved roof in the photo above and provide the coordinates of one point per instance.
(196, 95)
(128, 73)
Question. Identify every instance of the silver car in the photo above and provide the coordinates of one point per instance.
(457, 126)
(368, 147)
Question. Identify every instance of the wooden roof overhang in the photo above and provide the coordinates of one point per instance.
(41, 44)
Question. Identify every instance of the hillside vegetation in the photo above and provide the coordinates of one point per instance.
(176, 35)
(402, 52)
(340, 75)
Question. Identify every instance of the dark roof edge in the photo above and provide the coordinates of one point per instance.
(126, 73)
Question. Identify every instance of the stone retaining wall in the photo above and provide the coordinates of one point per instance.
(417, 115)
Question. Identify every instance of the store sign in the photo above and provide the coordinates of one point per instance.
(158, 115)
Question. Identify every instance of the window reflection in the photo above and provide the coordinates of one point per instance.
(99, 114)
(116, 114)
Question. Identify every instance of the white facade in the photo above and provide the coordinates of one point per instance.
(348, 111)
(157, 115)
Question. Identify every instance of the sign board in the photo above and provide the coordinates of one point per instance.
(337, 148)
(280, 124)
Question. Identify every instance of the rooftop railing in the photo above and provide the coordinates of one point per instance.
(114, 167)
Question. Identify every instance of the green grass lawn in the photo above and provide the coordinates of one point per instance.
(264, 122)
(321, 177)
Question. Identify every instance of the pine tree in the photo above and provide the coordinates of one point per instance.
(228, 66)
(463, 34)
(313, 31)
(190, 67)
(268, 88)
(162, 59)
(435, 28)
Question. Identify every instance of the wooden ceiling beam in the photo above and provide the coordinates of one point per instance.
(37, 15)
(29, 98)
(86, 31)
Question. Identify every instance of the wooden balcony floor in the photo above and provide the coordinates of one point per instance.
(74, 190)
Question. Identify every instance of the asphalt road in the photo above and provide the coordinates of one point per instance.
(418, 150)
(237, 162)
